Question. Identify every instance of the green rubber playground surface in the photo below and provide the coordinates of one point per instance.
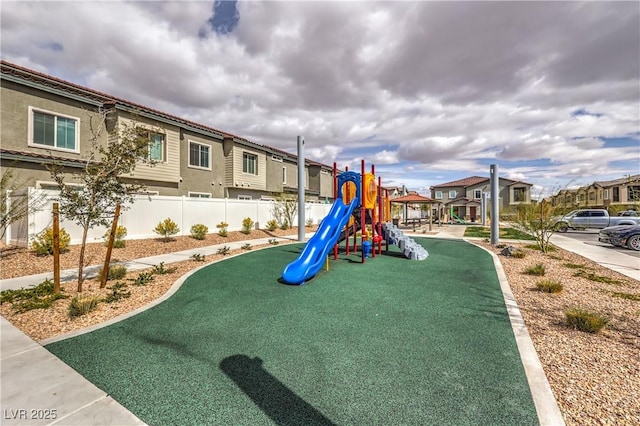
(390, 342)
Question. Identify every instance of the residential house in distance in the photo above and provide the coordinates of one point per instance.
(46, 120)
(614, 195)
(462, 198)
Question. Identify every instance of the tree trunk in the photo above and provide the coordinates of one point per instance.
(85, 231)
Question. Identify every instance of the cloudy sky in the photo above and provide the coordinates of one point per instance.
(428, 91)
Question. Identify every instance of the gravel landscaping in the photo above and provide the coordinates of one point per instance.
(595, 377)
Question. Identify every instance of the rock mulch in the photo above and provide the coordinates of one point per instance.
(594, 377)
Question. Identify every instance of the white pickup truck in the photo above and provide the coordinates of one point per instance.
(592, 218)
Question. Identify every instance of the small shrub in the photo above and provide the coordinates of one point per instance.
(549, 286)
(247, 225)
(82, 305)
(118, 292)
(583, 320)
(573, 265)
(285, 225)
(308, 222)
(247, 246)
(27, 299)
(199, 231)
(115, 272)
(166, 229)
(273, 242)
(597, 278)
(143, 278)
(518, 254)
(160, 269)
(198, 257)
(538, 269)
(118, 240)
(628, 296)
(537, 247)
(225, 250)
(222, 228)
(272, 225)
(43, 243)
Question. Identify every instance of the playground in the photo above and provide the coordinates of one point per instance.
(391, 341)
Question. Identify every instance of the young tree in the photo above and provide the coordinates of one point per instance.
(284, 209)
(538, 220)
(101, 180)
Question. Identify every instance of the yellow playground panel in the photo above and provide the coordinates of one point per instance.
(370, 190)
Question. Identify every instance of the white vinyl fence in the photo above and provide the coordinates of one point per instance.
(141, 217)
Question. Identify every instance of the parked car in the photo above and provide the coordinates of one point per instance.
(628, 213)
(621, 236)
(592, 218)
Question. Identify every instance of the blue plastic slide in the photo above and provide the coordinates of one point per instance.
(314, 253)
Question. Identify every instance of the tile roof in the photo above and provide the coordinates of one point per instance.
(34, 157)
(627, 179)
(468, 181)
(68, 87)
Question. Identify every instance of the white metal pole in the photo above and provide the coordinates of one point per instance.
(495, 207)
(301, 186)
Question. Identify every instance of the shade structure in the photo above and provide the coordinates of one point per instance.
(415, 199)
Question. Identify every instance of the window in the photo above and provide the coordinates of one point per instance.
(199, 195)
(284, 175)
(52, 130)
(245, 197)
(249, 163)
(519, 194)
(616, 194)
(156, 147)
(592, 196)
(438, 195)
(606, 194)
(597, 213)
(452, 194)
(199, 156)
(276, 158)
(477, 194)
(633, 193)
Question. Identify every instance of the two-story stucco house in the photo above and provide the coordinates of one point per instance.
(46, 120)
(616, 194)
(463, 198)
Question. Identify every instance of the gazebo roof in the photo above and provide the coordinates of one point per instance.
(412, 198)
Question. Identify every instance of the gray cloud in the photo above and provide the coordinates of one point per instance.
(440, 85)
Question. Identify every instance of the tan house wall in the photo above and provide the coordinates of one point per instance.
(15, 118)
(198, 180)
(167, 170)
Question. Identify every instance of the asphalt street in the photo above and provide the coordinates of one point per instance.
(590, 236)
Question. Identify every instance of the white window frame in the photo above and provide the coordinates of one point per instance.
(452, 194)
(191, 166)
(276, 158)
(30, 131)
(199, 194)
(606, 194)
(475, 191)
(49, 185)
(284, 175)
(438, 195)
(150, 133)
(255, 166)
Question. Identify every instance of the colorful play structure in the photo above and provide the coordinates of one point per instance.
(358, 201)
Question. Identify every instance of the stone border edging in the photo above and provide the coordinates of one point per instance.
(549, 413)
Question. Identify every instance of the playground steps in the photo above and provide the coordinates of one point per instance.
(408, 246)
